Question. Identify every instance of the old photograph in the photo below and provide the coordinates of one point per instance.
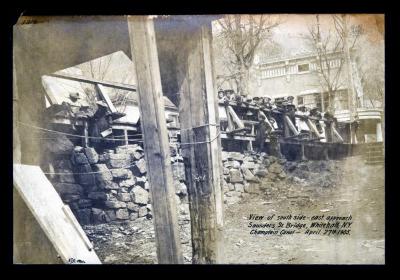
(199, 139)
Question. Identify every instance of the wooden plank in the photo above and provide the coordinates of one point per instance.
(235, 117)
(62, 229)
(155, 139)
(291, 125)
(88, 80)
(198, 107)
(106, 98)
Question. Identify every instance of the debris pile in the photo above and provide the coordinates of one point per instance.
(112, 186)
(246, 174)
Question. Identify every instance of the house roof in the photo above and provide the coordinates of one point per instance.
(115, 68)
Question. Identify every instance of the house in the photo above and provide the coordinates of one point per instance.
(299, 76)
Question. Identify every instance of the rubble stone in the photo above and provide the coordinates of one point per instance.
(181, 189)
(121, 173)
(178, 171)
(111, 215)
(235, 176)
(115, 204)
(124, 197)
(249, 176)
(91, 155)
(132, 206)
(84, 216)
(85, 176)
(142, 211)
(275, 168)
(79, 158)
(133, 216)
(68, 188)
(122, 214)
(140, 167)
(239, 187)
(139, 195)
(261, 172)
(119, 161)
(127, 183)
(99, 216)
(236, 156)
(98, 196)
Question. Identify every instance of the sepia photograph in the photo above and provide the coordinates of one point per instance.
(199, 139)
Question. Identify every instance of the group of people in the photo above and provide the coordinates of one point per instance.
(272, 126)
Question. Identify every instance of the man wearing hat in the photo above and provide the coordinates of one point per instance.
(261, 135)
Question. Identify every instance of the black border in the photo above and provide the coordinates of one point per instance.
(9, 16)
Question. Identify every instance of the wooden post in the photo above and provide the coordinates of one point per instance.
(302, 153)
(85, 133)
(126, 137)
(155, 139)
(201, 144)
(286, 128)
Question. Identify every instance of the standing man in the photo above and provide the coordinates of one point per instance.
(262, 129)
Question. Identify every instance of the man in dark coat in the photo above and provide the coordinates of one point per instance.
(261, 135)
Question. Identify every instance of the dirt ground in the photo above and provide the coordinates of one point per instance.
(341, 188)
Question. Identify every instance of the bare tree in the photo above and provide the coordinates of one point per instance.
(240, 36)
(329, 46)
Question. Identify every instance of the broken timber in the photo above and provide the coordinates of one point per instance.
(65, 236)
(201, 142)
(155, 139)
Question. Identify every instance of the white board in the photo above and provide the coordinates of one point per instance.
(53, 216)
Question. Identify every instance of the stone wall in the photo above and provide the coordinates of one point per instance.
(243, 174)
(112, 186)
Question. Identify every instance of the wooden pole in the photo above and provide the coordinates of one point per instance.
(155, 139)
(201, 144)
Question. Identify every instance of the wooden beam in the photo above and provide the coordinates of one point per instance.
(155, 139)
(106, 98)
(88, 80)
(235, 117)
(198, 108)
(291, 126)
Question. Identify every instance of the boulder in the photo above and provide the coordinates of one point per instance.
(239, 187)
(84, 216)
(142, 211)
(132, 207)
(111, 215)
(127, 183)
(251, 188)
(98, 196)
(282, 175)
(139, 195)
(235, 176)
(122, 214)
(133, 216)
(79, 158)
(178, 171)
(266, 185)
(68, 188)
(249, 176)
(275, 168)
(181, 189)
(119, 161)
(114, 204)
(261, 172)
(249, 165)
(67, 177)
(141, 181)
(121, 173)
(231, 187)
(91, 155)
(104, 157)
(85, 175)
(140, 167)
(104, 174)
(84, 203)
(99, 216)
(125, 197)
(226, 171)
(236, 156)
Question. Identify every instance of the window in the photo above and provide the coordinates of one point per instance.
(303, 68)
(300, 100)
(273, 72)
